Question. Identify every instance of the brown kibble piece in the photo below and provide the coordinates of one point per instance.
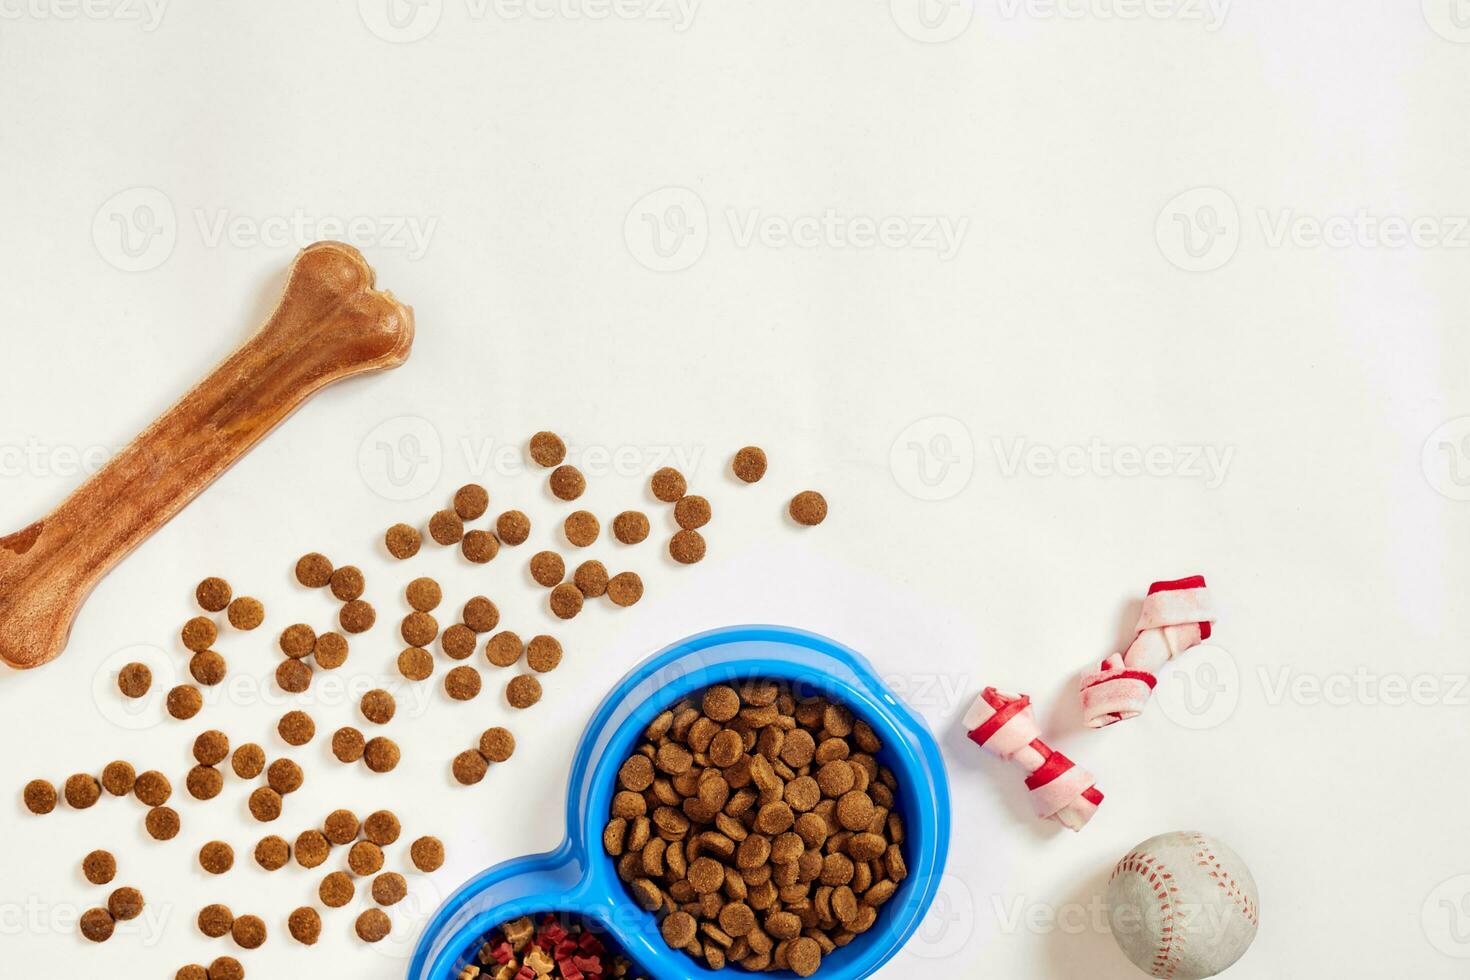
(293, 676)
(40, 797)
(305, 925)
(348, 744)
(208, 668)
(246, 613)
(284, 776)
(481, 615)
(341, 827)
(631, 526)
(312, 848)
(591, 579)
(424, 594)
(365, 858)
(381, 754)
(504, 648)
(215, 920)
(211, 747)
(566, 600)
(419, 629)
(543, 653)
(118, 778)
(204, 782)
(162, 823)
(855, 810)
(373, 925)
(358, 616)
(125, 904)
(446, 528)
(668, 485)
(513, 527)
(389, 888)
(471, 501)
(749, 464)
(248, 932)
(547, 449)
(687, 547)
(462, 683)
(184, 702)
(382, 827)
(479, 546)
(330, 651)
(296, 728)
(336, 890)
(625, 588)
(547, 568)
(199, 634)
(216, 857)
(314, 570)
(265, 804)
(403, 541)
(192, 971)
(679, 929)
(804, 956)
(226, 968)
(458, 641)
(152, 788)
(99, 867)
(81, 791)
(134, 680)
(348, 583)
(248, 761)
(416, 663)
(692, 512)
(272, 853)
(378, 706)
(427, 854)
(808, 508)
(567, 482)
(298, 641)
(581, 528)
(497, 744)
(523, 691)
(97, 925)
(469, 767)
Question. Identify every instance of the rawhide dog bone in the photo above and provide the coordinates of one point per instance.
(330, 324)
(1061, 790)
(1176, 615)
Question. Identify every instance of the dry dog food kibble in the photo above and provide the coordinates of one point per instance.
(285, 776)
(458, 641)
(40, 796)
(566, 600)
(99, 867)
(471, 501)
(246, 613)
(134, 680)
(216, 857)
(462, 683)
(348, 583)
(213, 594)
(759, 821)
(365, 858)
(272, 853)
(97, 925)
(265, 804)
(162, 823)
(298, 641)
(204, 782)
(481, 615)
(419, 629)
(296, 728)
(378, 706)
(305, 925)
(215, 920)
(357, 616)
(191, 972)
(497, 744)
(480, 546)
(152, 788)
(348, 744)
(446, 528)
(211, 747)
(81, 791)
(199, 634)
(591, 579)
(125, 904)
(427, 854)
(749, 464)
(248, 761)
(373, 925)
(330, 651)
(625, 588)
(567, 482)
(668, 485)
(248, 932)
(381, 755)
(314, 570)
(687, 547)
(226, 968)
(808, 508)
(389, 888)
(469, 767)
(293, 676)
(184, 702)
(513, 527)
(416, 663)
(118, 778)
(581, 528)
(630, 527)
(547, 568)
(424, 594)
(381, 827)
(402, 541)
(692, 512)
(504, 648)
(543, 653)
(208, 668)
(312, 848)
(341, 827)
(523, 691)
(547, 449)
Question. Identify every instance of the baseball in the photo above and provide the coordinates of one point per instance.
(1183, 906)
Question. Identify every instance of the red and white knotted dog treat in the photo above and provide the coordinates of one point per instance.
(1176, 616)
(1060, 789)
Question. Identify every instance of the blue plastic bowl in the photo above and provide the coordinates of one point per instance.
(579, 877)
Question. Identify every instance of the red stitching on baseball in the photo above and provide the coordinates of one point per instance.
(1150, 869)
(1207, 860)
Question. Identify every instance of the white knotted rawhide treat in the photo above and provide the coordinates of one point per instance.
(1176, 615)
(1060, 789)
(1183, 906)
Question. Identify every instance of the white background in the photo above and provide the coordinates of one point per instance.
(1150, 251)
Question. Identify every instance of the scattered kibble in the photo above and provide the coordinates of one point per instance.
(543, 653)
(513, 527)
(547, 568)
(548, 449)
(348, 583)
(416, 664)
(373, 925)
(458, 641)
(215, 920)
(808, 508)
(378, 706)
(99, 867)
(246, 613)
(365, 858)
(208, 668)
(382, 827)
(199, 634)
(162, 823)
(348, 744)
(293, 676)
(687, 547)
(504, 648)
(446, 528)
(204, 782)
(40, 797)
(625, 588)
(331, 651)
(248, 760)
(566, 600)
(265, 804)
(305, 925)
(462, 683)
(272, 853)
(389, 888)
(152, 788)
(479, 547)
(184, 702)
(481, 615)
(591, 579)
(523, 691)
(336, 890)
(211, 747)
(497, 744)
(216, 857)
(125, 904)
(296, 728)
(424, 594)
(669, 485)
(402, 541)
(567, 482)
(381, 755)
(248, 931)
(427, 854)
(226, 968)
(469, 767)
(581, 528)
(97, 925)
(134, 680)
(692, 512)
(631, 526)
(118, 778)
(285, 776)
(419, 629)
(213, 594)
(81, 791)
(298, 641)
(358, 616)
(312, 848)
(314, 571)
(341, 827)
(749, 464)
